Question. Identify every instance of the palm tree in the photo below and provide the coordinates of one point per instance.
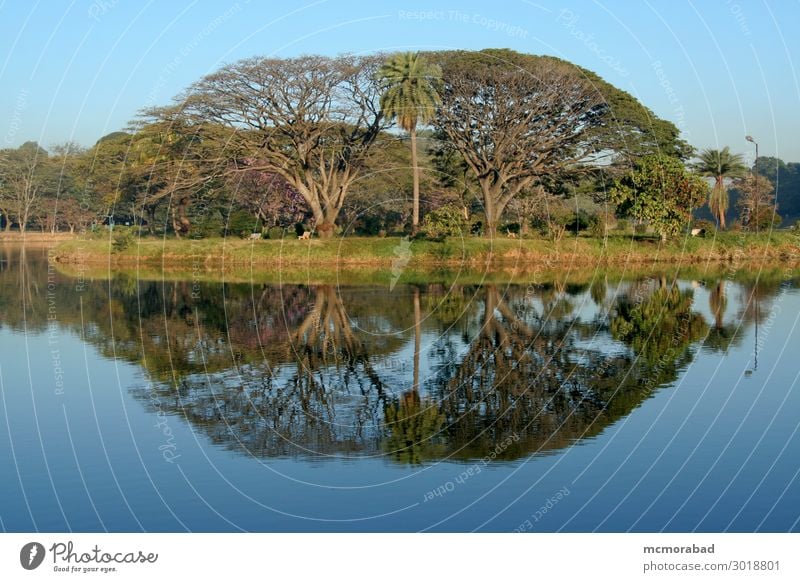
(720, 164)
(409, 94)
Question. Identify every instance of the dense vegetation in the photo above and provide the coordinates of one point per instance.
(500, 143)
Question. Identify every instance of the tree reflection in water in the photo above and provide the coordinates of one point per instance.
(413, 375)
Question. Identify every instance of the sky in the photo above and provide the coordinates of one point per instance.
(718, 69)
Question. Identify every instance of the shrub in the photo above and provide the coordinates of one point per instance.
(211, 224)
(602, 224)
(122, 239)
(275, 233)
(443, 222)
(241, 223)
(706, 225)
(581, 220)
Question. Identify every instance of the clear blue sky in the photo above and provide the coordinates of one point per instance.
(718, 69)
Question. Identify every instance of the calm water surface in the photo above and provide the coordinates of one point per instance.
(606, 404)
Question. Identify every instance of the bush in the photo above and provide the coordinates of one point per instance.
(706, 225)
(603, 223)
(476, 227)
(443, 222)
(122, 239)
(209, 225)
(581, 220)
(275, 233)
(241, 223)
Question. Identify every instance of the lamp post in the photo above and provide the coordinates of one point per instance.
(753, 296)
(755, 176)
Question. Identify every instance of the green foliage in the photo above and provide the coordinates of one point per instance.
(602, 223)
(786, 178)
(707, 225)
(660, 192)
(241, 223)
(582, 220)
(756, 203)
(720, 165)
(660, 328)
(409, 85)
(413, 428)
(122, 239)
(443, 222)
(276, 233)
(209, 225)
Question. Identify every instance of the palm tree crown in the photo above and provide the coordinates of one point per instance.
(409, 83)
(720, 164)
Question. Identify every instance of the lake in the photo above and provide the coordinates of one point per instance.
(659, 402)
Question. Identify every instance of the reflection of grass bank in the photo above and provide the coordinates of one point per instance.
(233, 254)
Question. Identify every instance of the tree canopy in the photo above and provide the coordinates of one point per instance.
(660, 192)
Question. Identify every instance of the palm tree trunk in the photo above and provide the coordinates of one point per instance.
(415, 168)
(719, 193)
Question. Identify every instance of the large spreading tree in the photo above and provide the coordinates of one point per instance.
(515, 119)
(311, 120)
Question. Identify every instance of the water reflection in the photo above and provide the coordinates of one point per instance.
(418, 374)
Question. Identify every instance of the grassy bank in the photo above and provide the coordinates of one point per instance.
(399, 254)
(381, 276)
(35, 237)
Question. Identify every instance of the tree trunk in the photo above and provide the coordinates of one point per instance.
(415, 168)
(151, 219)
(491, 217)
(180, 222)
(325, 229)
(493, 205)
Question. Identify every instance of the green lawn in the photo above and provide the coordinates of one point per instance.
(396, 253)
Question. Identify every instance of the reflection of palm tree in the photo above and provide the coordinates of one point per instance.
(413, 426)
(598, 290)
(417, 337)
(717, 302)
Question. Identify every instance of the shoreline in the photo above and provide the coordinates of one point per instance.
(398, 253)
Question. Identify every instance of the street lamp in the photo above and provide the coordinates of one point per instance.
(755, 192)
(755, 176)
